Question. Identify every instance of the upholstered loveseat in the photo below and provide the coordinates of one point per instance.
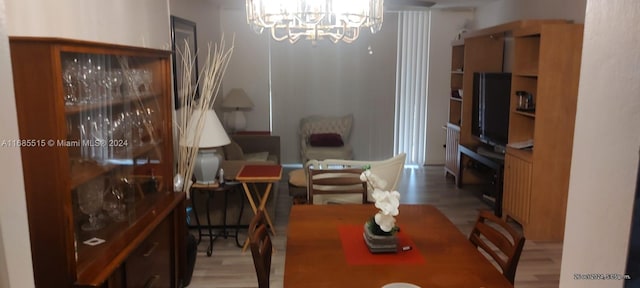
(243, 150)
(324, 137)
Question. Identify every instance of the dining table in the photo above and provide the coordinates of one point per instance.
(326, 248)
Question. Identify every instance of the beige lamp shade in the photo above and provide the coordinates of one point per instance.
(212, 134)
(237, 99)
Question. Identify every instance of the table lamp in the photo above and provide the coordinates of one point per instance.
(237, 100)
(212, 135)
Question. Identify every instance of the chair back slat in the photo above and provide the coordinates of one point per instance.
(261, 248)
(336, 182)
(489, 229)
(489, 250)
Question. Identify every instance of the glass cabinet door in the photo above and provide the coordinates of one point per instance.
(114, 128)
(97, 160)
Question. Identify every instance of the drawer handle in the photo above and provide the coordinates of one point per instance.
(150, 251)
(151, 282)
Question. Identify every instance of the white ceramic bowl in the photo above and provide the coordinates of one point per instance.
(400, 285)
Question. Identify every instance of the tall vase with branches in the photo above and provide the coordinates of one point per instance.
(209, 81)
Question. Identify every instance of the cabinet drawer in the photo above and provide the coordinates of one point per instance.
(150, 264)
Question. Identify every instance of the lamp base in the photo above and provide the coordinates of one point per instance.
(206, 166)
(236, 121)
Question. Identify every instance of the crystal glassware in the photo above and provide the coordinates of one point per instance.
(87, 78)
(113, 203)
(90, 199)
(70, 78)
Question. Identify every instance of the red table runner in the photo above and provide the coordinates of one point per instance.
(357, 253)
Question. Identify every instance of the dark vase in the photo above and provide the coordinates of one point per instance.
(385, 243)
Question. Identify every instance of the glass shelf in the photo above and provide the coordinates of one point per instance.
(77, 108)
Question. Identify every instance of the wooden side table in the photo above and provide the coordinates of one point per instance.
(212, 189)
(259, 174)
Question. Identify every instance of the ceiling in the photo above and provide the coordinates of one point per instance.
(439, 4)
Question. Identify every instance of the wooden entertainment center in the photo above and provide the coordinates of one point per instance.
(544, 59)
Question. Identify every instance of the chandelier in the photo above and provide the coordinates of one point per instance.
(336, 20)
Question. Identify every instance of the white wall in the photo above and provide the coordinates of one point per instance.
(139, 23)
(444, 29)
(502, 11)
(248, 68)
(15, 252)
(606, 145)
(142, 23)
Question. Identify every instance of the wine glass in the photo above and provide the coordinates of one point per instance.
(70, 78)
(147, 80)
(113, 203)
(90, 199)
(116, 79)
(87, 79)
(119, 132)
(139, 122)
(134, 81)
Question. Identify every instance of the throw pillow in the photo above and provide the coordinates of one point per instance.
(233, 151)
(326, 140)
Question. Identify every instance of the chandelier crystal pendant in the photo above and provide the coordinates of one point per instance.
(336, 20)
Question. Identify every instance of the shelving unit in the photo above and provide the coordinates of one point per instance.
(106, 151)
(455, 109)
(547, 65)
(457, 74)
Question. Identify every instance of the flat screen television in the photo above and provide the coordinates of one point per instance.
(490, 113)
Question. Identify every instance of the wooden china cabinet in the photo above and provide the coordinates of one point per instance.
(96, 144)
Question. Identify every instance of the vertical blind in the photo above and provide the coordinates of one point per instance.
(411, 86)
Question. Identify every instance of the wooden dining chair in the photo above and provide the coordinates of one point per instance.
(486, 233)
(389, 170)
(261, 248)
(336, 182)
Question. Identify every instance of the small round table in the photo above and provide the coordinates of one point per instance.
(211, 189)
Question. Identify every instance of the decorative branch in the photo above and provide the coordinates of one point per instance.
(210, 81)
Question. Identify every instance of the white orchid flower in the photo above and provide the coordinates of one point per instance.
(386, 222)
(377, 194)
(373, 181)
(381, 183)
(388, 202)
(364, 176)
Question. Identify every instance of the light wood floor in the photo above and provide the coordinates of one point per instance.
(228, 267)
